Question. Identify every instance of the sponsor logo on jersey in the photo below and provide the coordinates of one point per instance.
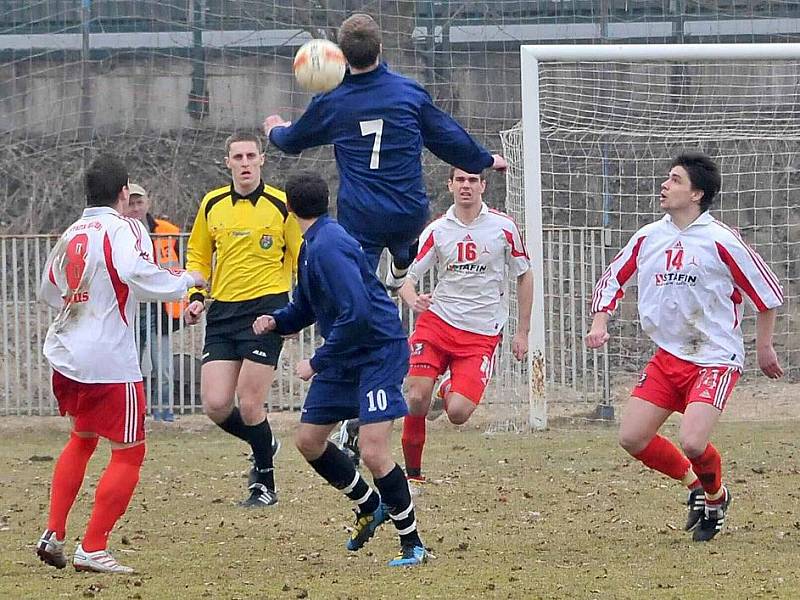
(266, 242)
(467, 268)
(662, 279)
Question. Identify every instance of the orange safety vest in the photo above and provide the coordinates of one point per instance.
(166, 250)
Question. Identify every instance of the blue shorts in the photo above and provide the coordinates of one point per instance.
(372, 391)
(402, 244)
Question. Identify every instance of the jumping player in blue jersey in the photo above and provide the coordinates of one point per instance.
(357, 372)
(378, 122)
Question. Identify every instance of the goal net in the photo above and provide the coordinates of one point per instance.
(600, 125)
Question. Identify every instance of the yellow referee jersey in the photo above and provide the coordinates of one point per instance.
(255, 239)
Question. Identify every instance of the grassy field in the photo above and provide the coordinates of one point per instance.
(563, 514)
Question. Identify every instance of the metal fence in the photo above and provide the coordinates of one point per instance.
(25, 375)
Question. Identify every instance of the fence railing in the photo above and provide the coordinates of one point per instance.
(25, 374)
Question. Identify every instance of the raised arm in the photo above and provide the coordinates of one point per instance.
(448, 140)
(310, 130)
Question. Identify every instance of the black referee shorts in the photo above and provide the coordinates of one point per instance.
(229, 331)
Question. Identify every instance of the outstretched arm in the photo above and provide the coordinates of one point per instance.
(310, 130)
(448, 140)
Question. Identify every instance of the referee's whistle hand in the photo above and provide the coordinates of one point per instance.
(264, 324)
(192, 313)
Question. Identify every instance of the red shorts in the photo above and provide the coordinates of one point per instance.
(114, 411)
(673, 383)
(437, 345)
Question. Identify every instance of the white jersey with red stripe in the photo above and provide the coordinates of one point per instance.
(691, 286)
(97, 272)
(475, 263)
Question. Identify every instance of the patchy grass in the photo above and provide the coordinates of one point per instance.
(564, 514)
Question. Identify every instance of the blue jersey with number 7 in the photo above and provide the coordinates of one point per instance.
(378, 123)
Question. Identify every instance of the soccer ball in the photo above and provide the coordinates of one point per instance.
(319, 66)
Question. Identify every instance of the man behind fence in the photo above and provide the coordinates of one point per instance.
(94, 277)
(156, 322)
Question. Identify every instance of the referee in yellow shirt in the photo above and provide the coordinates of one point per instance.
(256, 242)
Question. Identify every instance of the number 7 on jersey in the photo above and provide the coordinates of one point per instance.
(375, 126)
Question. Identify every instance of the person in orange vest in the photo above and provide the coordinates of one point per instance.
(155, 324)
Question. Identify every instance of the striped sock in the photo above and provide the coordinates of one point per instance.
(338, 470)
(393, 488)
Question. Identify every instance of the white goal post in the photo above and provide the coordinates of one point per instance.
(599, 125)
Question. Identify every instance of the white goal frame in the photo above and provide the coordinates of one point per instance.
(530, 57)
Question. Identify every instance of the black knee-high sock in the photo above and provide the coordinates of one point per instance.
(260, 439)
(234, 425)
(393, 488)
(338, 470)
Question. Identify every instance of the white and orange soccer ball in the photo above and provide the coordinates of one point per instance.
(319, 66)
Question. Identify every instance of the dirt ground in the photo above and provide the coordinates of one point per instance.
(561, 514)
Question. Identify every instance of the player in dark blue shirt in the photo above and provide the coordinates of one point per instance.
(378, 122)
(357, 372)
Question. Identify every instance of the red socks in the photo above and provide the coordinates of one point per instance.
(708, 467)
(663, 456)
(413, 442)
(67, 480)
(114, 492)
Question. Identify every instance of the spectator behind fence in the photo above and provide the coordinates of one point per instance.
(156, 322)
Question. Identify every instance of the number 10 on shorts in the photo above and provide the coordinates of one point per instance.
(377, 400)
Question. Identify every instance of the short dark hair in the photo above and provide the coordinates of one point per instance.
(453, 172)
(703, 174)
(104, 180)
(307, 194)
(243, 136)
(360, 40)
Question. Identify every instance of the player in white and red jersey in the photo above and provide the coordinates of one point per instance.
(693, 273)
(95, 275)
(477, 251)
